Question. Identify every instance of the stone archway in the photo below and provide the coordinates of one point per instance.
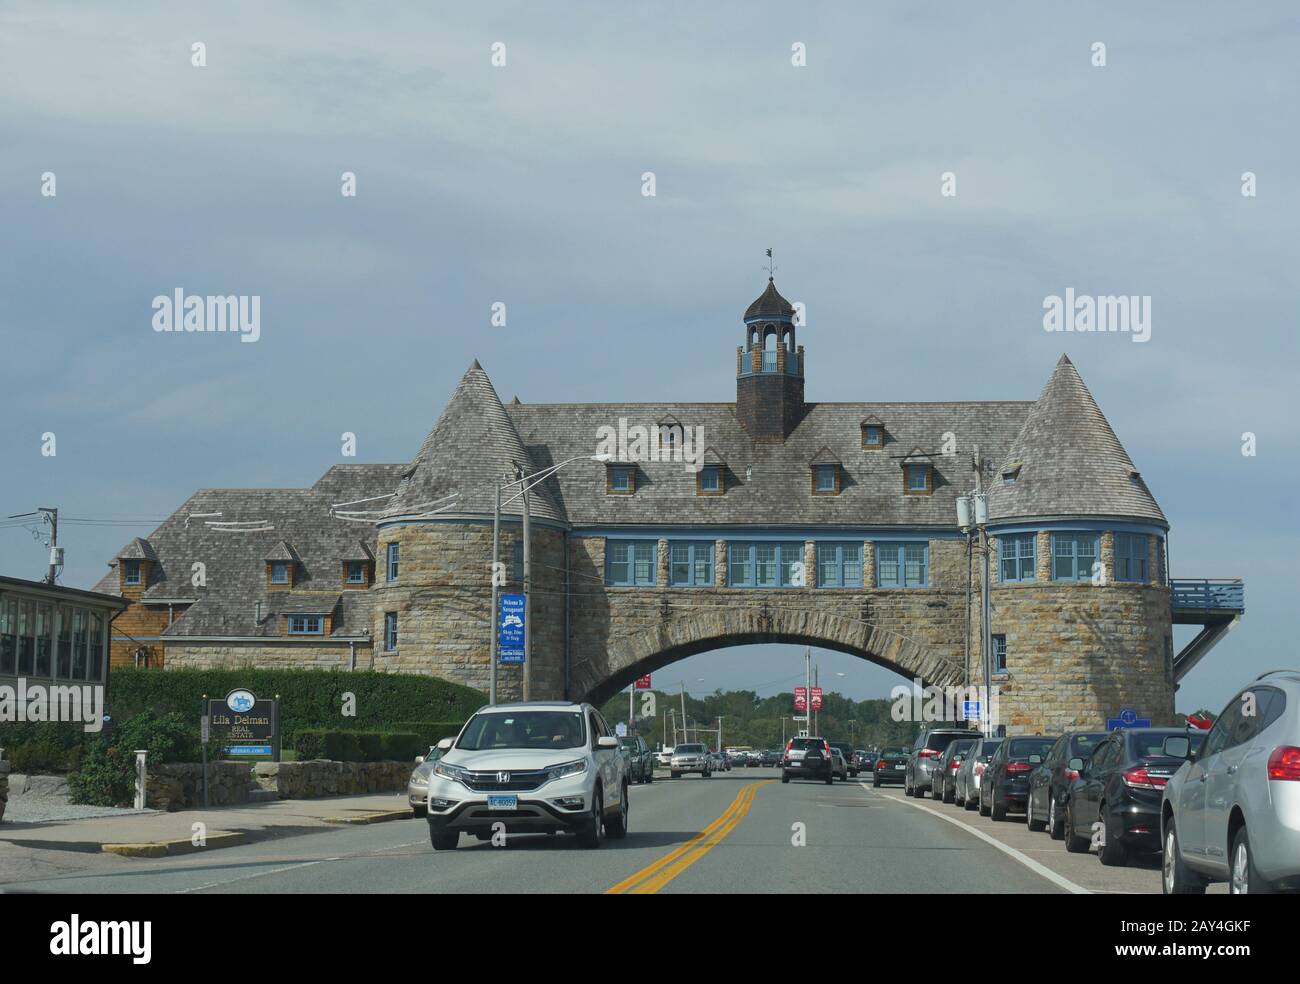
(628, 656)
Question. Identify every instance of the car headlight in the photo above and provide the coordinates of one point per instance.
(420, 779)
(453, 772)
(575, 768)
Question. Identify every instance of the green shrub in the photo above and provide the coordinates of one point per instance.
(106, 774)
(42, 747)
(358, 746)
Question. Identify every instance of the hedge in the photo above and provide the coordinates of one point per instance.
(358, 746)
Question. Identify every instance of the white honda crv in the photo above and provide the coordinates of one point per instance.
(535, 767)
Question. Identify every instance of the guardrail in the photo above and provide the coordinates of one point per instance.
(1208, 594)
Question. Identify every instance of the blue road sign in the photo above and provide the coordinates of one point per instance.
(1128, 718)
(971, 710)
(510, 629)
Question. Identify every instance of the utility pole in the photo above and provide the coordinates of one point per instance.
(631, 711)
(51, 516)
(719, 732)
(496, 605)
(807, 683)
(688, 737)
(817, 682)
(528, 600)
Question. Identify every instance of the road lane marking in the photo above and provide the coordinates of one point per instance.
(1059, 880)
(655, 876)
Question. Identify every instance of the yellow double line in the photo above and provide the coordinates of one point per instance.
(654, 877)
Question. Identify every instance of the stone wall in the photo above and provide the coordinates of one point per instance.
(4, 787)
(315, 778)
(269, 653)
(179, 786)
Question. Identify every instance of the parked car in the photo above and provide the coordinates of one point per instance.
(1004, 787)
(664, 757)
(1232, 812)
(1049, 784)
(850, 760)
(927, 748)
(719, 761)
(839, 767)
(1116, 800)
(417, 787)
(690, 758)
(539, 766)
(944, 786)
(753, 760)
(640, 760)
(891, 766)
(771, 757)
(966, 784)
(807, 758)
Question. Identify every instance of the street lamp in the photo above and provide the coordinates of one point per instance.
(527, 482)
(973, 511)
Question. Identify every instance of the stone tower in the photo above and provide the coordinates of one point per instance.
(769, 370)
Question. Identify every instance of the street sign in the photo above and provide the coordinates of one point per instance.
(620, 729)
(1128, 718)
(800, 717)
(800, 699)
(816, 698)
(205, 729)
(970, 710)
(243, 723)
(510, 629)
(643, 683)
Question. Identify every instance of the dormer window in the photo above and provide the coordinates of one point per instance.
(918, 479)
(709, 480)
(620, 480)
(356, 572)
(1011, 473)
(131, 572)
(279, 572)
(873, 434)
(826, 479)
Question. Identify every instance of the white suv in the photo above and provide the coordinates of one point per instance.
(536, 767)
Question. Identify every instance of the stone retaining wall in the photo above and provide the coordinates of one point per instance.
(319, 777)
(179, 786)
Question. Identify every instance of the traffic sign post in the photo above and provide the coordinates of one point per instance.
(510, 630)
(1128, 718)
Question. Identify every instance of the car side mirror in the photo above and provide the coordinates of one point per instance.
(1177, 746)
(446, 744)
(1078, 765)
(419, 760)
(605, 741)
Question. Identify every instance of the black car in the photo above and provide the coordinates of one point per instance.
(1115, 802)
(944, 786)
(1049, 784)
(850, 759)
(771, 757)
(807, 758)
(1004, 787)
(891, 766)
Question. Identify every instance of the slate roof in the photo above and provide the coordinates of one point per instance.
(235, 563)
(769, 304)
(471, 447)
(137, 549)
(1070, 461)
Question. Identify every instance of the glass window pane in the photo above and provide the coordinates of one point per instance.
(8, 638)
(765, 565)
(852, 577)
(887, 566)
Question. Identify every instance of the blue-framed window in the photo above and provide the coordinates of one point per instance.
(690, 564)
(630, 563)
(620, 479)
(824, 477)
(839, 565)
(1073, 555)
(390, 632)
(873, 436)
(130, 572)
(765, 565)
(902, 565)
(392, 561)
(1017, 556)
(279, 572)
(710, 480)
(306, 624)
(356, 572)
(999, 654)
(916, 479)
(1131, 556)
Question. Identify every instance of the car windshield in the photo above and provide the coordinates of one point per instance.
(987, 749)
(1082, 746)
(893, 756)
(524, 729)
(629, 743)
(805, 743)
(938, 742)
(689, 749)
(1024, 747)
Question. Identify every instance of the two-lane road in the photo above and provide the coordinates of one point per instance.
(740, 831)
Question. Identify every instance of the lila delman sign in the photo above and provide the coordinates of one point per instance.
(244, 723)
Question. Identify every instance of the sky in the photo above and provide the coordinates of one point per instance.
(522, 184)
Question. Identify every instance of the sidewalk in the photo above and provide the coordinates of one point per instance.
(156, 834)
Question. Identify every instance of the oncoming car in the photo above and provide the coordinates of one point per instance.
(536, 767)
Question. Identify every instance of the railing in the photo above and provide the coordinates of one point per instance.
(769, 363)
(1209, 594)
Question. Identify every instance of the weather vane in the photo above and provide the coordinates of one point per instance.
(771, 267)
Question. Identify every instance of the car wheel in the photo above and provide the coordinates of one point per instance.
(617, 829)
(971, 804)
(875, 782)
(1073, 842)
(443, 840)
(706, 773)
(1055, 825)
(998, 810)
(984, 810)
(1175, 877)
(650, 776)
(676, 775)
(1245, 877)
(830, 778)
(590, 834)
(1031, 821)
(785, 777)
(1113, 853)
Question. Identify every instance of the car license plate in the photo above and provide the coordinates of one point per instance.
(900, 767)
(503, 802)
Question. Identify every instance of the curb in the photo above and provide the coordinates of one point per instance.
(176, 846)
(372, 817)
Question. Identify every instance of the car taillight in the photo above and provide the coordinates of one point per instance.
(1284, 763)
(929, 753)
(1019, 767)
(1071, 775)
(1139, 778)
(979, 768)
(955, 764)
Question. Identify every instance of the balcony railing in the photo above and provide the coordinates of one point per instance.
(1209, 594)
(769, 364)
